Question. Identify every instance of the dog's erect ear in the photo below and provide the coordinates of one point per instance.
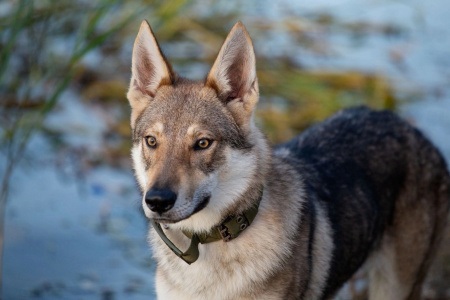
(233, 74)
(150, 70)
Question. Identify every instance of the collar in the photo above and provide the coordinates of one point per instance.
(227, 230)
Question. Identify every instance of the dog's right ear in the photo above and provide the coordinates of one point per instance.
(150, 70)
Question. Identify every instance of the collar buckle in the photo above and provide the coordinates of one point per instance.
(224, 233)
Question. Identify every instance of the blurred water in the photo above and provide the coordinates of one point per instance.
(69, 238)
(84, 238)
(63, 243)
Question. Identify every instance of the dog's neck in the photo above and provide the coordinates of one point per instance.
(231, 227)
(227, 230)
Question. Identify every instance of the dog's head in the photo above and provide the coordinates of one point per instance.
(193, 142)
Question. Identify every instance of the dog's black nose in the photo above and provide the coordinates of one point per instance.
(160, 200)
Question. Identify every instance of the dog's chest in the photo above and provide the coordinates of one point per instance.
(223, 270)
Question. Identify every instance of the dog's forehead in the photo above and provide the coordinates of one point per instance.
(180, 108)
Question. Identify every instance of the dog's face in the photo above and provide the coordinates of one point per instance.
(192, 140)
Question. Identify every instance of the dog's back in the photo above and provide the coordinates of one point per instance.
(384, 187)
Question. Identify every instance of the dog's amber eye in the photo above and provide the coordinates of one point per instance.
(151, 141)
(203, 144)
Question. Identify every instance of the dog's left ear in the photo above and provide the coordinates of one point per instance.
(233, 75)
(150, 70)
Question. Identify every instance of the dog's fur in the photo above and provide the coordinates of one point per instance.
(363, 188)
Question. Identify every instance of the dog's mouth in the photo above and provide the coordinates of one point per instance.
(198, 207)
(201, 205)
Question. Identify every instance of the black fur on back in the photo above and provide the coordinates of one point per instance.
(355, 164)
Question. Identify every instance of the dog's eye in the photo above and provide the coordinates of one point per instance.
(151, 141)
(202, 144)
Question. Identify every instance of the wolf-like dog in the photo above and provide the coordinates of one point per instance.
(363, 189)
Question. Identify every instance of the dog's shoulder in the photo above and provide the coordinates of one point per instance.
(345, 162)
(354, 164)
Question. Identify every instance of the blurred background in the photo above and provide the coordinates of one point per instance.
(71, 225)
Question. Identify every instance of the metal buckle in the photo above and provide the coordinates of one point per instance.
(223, 230)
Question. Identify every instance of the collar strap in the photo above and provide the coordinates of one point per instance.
(229, 229)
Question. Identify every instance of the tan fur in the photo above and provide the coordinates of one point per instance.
(323, 249)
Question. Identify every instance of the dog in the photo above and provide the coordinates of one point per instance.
(233, 218)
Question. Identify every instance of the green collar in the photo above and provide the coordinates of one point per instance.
(229, 229)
